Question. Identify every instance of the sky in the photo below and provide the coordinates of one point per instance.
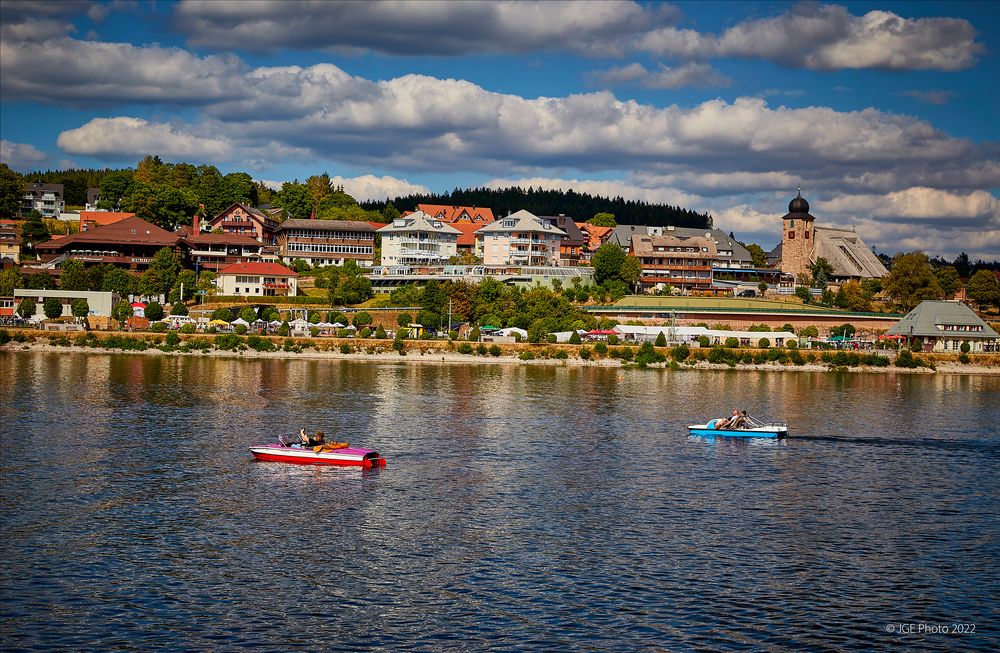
(885, 113)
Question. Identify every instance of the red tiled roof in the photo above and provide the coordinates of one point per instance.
(468, 229)
(451, 214)
(102, 218)
(273, 269)
(377, 225)
(597, 235)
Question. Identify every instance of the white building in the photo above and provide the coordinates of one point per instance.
(521, 238)
(418, 239)
(47, 199)
(98, 303)
(257, 279)
(690, 334)
(945, 326)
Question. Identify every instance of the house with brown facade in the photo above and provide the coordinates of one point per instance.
(130, 243)
(238, 218)
(572, 244)
(684, 263)
(210, 251)
(327, 242)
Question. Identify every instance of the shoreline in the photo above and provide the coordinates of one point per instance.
(434, 356)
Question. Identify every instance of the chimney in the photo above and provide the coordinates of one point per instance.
(197, 224)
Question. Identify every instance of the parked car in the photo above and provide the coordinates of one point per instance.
(747, 293)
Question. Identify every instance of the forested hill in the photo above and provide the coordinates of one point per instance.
(580, 206)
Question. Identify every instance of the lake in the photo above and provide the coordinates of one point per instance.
(522, 508)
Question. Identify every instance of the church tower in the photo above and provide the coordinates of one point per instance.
(798, 237)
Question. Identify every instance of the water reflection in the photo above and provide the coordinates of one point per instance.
(523, 507)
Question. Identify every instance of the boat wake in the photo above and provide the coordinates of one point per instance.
(987, 446)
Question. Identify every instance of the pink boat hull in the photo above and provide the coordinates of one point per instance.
(347, 457)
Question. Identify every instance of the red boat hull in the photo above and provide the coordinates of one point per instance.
(347, 457)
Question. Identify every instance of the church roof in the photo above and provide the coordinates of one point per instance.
(847, 254)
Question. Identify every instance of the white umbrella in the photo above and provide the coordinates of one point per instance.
(337, 325)
(274, 323)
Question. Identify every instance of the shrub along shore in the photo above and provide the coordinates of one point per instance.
(597, 354)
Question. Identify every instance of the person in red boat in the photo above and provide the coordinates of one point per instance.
(312, 440)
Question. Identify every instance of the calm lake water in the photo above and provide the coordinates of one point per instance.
(523, 508)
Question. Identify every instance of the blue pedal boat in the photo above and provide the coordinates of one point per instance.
(753, 430)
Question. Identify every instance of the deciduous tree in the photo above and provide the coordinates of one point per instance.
(949, 280)
(603, 219)
(52, 307)
(11, 192)
(984, 288)
(911, 280)
(26, 308)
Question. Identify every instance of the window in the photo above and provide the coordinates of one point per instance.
(791, 224)
(806, 234)
(791, 235)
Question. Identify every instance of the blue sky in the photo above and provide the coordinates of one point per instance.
(885, 113)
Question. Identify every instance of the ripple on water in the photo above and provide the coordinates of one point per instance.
(522, 508)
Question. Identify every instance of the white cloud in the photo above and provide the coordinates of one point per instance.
(367, 187)
(919, 203)
(410, 28)
(129, 138)
(21, 156)
(36, 64)
(370, 187)
(828, 37)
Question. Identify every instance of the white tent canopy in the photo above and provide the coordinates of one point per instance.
(238, 321)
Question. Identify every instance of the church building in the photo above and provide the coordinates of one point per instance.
(803, 242)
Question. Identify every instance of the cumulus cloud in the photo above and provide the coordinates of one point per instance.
(370, 187)
(38, 62)
(408, 28)
(21, 156)
(920, 203)
(416, 122)
(130, 138)
(367, 187)
(828, 37)
(690, 74)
